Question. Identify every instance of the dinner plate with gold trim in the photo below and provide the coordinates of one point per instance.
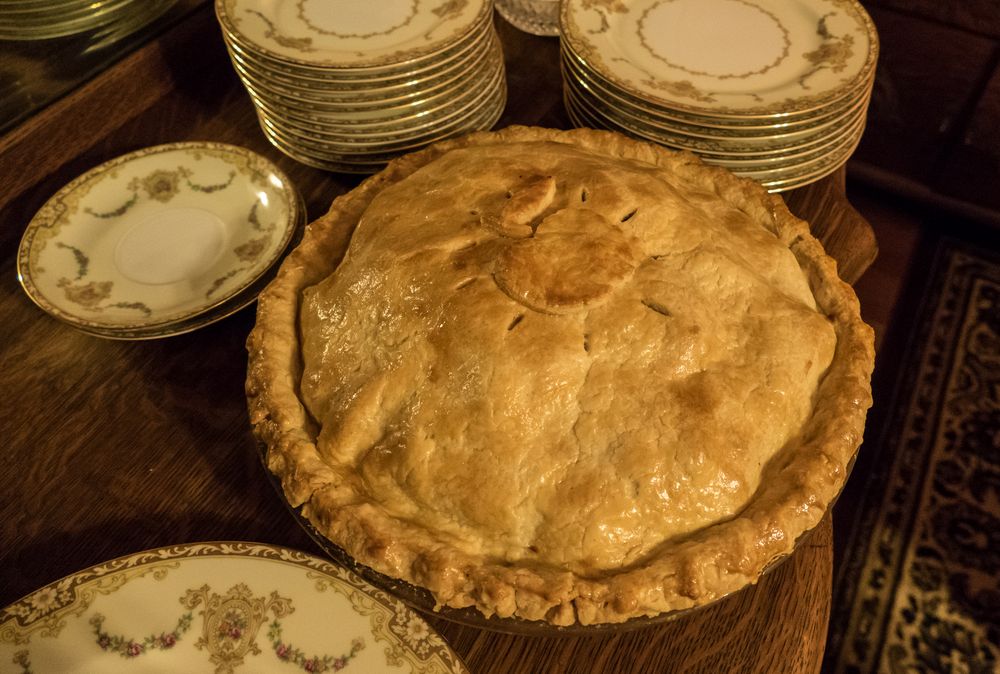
(416, 91)
(778, 140)
(602, 116)
(773, 178)
(480, 84)
(478, 79)
(219, 607)
(726, 58)
(576, 75)
(353, 76)
(157, 237)
(389, 144)
(366, 158)
(338, 93)
(348, 33)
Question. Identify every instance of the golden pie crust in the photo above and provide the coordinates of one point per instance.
(560, 375)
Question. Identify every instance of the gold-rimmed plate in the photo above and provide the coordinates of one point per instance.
(392, 122)
(157, 237)
(415, 121)
(351, 34)
(577, 75)
(219, 606)
(475, 79)
(363, 92)
(727, 58)
(365, 161)
(775, 178)
(363, 157)
(414, 90)
(234, 304)
(603, 116)
(777, 139)
(360, 78)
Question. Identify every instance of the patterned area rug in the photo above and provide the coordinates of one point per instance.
(917, 581)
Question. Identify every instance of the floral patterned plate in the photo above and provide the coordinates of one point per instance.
(158, 237)
(349, 33)
(218, 607)
(482, 116)
(726, 58)
(239, 301)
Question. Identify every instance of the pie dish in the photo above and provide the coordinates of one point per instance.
(562, 376)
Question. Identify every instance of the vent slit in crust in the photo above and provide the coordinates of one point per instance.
(657, 307)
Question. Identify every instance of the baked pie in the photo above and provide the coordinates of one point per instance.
(560, 375)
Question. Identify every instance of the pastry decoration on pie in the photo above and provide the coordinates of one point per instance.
(560, 375)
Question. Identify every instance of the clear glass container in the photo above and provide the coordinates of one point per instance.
(538, 17)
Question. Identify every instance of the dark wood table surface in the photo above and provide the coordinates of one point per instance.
(112, 447)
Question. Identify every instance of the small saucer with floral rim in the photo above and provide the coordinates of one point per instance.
(157, 237)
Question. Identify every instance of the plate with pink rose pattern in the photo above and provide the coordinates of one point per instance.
(218, 607)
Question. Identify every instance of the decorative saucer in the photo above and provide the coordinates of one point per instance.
(159, 239)
(219, 607)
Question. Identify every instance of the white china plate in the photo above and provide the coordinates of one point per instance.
(733, 150)
(358, 77)
(417, 89)
(726, 57)
(239, 301)
(773, 178)
(780, 140)
(351, 33)
(364, 162)
(157, 237)
(316, 132)
(402, 121)
(351, 91)
(219, 607)
(576, 75)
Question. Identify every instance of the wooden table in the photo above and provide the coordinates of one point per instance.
(114, 447)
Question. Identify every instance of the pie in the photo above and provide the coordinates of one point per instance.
(562, 376)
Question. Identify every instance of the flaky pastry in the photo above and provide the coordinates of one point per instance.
(560, 375)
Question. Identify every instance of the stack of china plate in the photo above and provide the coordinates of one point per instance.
(160, 241)
(43, 19)
(774, 90)
(346, 85)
